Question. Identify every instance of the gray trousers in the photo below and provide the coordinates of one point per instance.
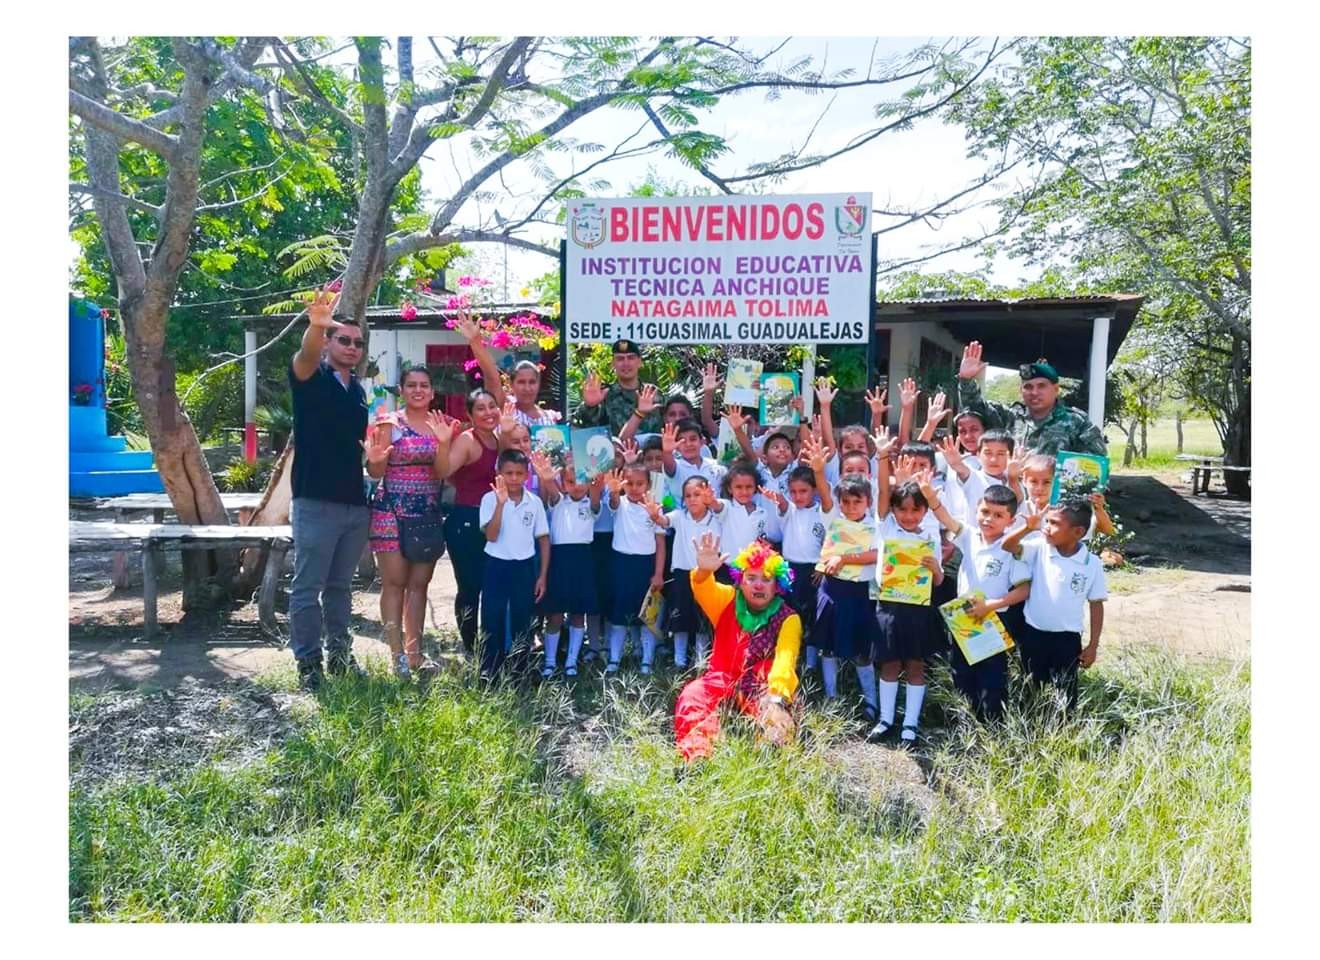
(328, 540)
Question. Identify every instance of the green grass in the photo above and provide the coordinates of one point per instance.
(458, 805)
(1199, 437)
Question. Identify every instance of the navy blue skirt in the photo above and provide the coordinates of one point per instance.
(845, 618)
(571, 586)
(903, 632)
(630, 578)
(803, 597)
(684, 615)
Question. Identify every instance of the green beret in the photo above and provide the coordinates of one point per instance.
(1041, 368)
(628, 346)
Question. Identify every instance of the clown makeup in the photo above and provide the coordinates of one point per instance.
(758, 589)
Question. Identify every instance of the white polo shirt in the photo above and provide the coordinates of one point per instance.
(1061, 586)
(520, 524)
(1027, 508)
(686, 529)
(768, 480)
(742, 527)
(572, 521)
(972, 489)
(634, 531)
(709, 468)
(987, 567)
(832, 470)
(804, 531)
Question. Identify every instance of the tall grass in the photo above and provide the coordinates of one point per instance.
(555, 804)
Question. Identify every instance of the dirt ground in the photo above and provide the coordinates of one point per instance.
(1188, 590)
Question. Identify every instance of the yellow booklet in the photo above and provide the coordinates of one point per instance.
(843, 537)
(653, 610)
(900, 574)
(977, 639)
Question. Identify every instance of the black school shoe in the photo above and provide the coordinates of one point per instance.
(310, 674)
(343, 665)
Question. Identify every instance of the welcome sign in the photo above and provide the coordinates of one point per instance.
(791, 269)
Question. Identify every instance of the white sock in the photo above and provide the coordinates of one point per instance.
(648, 646)
(829, 674)
(574, 645)
(616, 642)
(866, 679)
(888, 700)
(812, 655)
(916, 693)
(703, 647)
(680, 649)
(551, 642)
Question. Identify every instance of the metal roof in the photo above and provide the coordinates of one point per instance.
(386, 318)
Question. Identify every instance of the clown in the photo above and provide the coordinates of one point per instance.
(754, 654)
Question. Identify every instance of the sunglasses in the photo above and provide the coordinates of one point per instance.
(350, 342)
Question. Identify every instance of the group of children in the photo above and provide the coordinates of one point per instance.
(592, 553)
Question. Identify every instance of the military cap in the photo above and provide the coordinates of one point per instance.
(1041, 368)
(626, 346)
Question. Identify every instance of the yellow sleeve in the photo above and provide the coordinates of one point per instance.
(711, 595)
(783, 678)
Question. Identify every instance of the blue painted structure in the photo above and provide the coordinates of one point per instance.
(100, 465)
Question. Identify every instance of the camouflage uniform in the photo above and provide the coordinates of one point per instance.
(615, 409)
(1066, 428)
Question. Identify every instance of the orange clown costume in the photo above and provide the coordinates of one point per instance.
(752, 653)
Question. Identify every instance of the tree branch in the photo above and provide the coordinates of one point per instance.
(417, 242)
(91, 191)
(122, 127)
(701, 168)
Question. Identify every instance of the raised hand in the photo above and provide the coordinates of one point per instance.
(972, 364)
(825, 391)
(924, 480)
(1017, 463)
(646, 399)
(508, 414)
(813, 452)
(592, 391)
(905, 469)
(710, 379)
(376, 451)
(774, 497)
(629, 451)
(501, 490)
(938, 410)
(885, 446)
(466, 326)
(441, 425)
(542, 465)
(708, 496)
(709, 557)
(613, 481)
(875, 399)
(908, 393)
(653, 509)
(669, 439)
(1032, 521)
(949, 447)
(735, 417)
(321, 310)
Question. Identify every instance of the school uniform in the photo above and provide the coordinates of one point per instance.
(832, 466)
(743, 527)
(512, 567)
(1060, 590)
(571, 586)
(768, 480)
(845, 612)
(804, 535)
(903, 629)
(684, 616)
(989, 568)
(1014, 618)
(685, 470)
(633, 553)
(972, 490)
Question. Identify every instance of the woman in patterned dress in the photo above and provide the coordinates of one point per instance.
(403, 453)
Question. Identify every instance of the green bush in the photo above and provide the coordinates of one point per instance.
(216, 402)
(239, 476)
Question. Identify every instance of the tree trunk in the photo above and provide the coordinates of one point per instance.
(1130, 449)
(1177, 425)
(1145, 450)
(1237, 439)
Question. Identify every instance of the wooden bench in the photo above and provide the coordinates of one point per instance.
(156, 504)
(89, 536)
(1204, 467)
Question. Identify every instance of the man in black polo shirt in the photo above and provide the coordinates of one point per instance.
(330, 515)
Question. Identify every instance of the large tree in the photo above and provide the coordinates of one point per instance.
(1140, 150)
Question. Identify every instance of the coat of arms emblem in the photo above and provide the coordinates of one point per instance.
(850, 218)
(587, 225)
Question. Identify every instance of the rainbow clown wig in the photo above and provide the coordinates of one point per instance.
(760, 554)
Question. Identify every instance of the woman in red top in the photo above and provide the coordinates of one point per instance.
(468, 462)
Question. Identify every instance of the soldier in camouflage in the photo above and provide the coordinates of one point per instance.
(617, 405)
(1039, 422)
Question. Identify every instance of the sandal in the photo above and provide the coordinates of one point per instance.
(879, 731)
(570, 671)
(401, 668)
(547, 673)
(903, 738)
(612, 666)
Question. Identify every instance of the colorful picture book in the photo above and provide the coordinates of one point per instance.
(555, 441)
(846, 536)
(977, 639)
(727, 448)
(742, 388)
(652, 612)
(1078, 475)
(593, 452)
(900, 574)
(778, 391)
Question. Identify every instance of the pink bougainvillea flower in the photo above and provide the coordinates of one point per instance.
(466, 281)
(334, 286)
(502, 339)
(407, 311)
(105, 313)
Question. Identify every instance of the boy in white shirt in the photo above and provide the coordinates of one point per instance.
(986, 566)
(1065, 577)
(571, 588)
(514, 521)
(639, 561)
(685, 438)
(804, 517)
(995, 452)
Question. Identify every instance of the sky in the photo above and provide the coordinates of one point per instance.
(901, 169)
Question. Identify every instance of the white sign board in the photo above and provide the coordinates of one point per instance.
(791, 269)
